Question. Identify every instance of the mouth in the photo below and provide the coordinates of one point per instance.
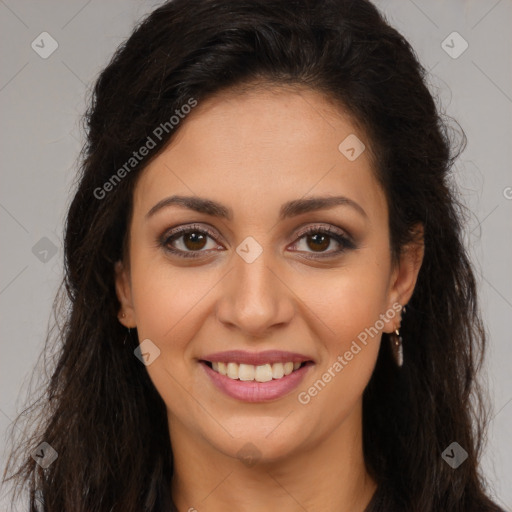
(256, 377)
(252, 373)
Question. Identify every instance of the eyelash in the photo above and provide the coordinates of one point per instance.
(342, 240)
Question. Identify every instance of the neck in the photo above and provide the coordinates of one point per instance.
(329, 476)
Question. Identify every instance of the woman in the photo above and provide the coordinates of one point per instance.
(271, 307)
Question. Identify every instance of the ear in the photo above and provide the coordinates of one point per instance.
(405, 274)
(124, 294)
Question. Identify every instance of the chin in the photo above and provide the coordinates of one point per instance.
(264, 444)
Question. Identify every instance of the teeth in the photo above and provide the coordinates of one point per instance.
(246, 372)
(277, 370)
(261, 373)
(232, 370)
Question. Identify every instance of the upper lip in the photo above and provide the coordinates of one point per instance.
(256, 358)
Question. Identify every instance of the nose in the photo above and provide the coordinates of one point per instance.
(255, 300)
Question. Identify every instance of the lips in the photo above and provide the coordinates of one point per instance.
(256, 377)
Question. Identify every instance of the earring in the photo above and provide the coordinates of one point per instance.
(127, 335)
(396, 347)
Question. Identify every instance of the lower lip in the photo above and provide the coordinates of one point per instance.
(252, 391)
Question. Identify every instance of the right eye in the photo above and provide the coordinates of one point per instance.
(192, 240)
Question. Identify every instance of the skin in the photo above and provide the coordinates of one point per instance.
(252, 152)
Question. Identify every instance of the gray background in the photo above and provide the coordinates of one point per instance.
(41, 101)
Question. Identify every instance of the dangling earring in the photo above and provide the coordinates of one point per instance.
(396, 344)
(396, 347)
(127, 335)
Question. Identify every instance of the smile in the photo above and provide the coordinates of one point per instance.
(249, 372)
(256, 377)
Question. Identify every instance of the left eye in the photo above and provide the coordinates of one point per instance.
(319, 239)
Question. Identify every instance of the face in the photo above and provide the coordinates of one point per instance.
(255, 243)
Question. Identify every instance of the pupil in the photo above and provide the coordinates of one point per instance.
(194, 239)
(320, 238)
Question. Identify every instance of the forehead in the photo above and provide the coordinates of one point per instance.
(263, 146)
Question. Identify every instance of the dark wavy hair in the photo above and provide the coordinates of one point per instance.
(99, 409)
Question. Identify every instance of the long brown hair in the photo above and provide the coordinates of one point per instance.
(100, 411)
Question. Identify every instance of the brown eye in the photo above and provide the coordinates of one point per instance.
(194, 240)
(318, 242)
(317, 239)
(188, 241)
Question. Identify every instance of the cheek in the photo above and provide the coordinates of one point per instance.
(347, 301)
(350, 337)
(347, 306)
(166, 302)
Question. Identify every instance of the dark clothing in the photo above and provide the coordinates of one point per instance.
(380, 502)
(377, 504)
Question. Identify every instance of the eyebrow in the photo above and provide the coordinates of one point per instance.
(288, 210)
